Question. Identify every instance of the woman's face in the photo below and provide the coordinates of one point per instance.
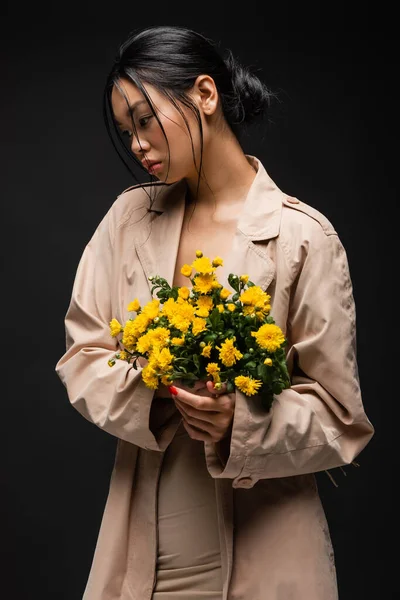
(150, 143)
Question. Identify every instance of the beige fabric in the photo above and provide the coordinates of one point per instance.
(274, 539)
(189, 552)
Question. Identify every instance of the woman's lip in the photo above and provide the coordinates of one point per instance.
(155, 166)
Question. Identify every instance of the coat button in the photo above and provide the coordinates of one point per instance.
(245, 482)
(292, 200)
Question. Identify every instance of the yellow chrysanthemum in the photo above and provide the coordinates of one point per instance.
(183, 316)
(244, 278)
(186, 270)
(161, 358)
(149, 376)
(228, 354)
(221, 308)
(254, 295)
(206, 351)
(151, 309)
(231, 306)
(178, 341)
(131, 332)
(167, 379)
(183, 292)
(115, 327)
(123, 355)
(269, 336)
(255, 300)
(216, 284)
(213, 370)
(140, 324)
(217, 262)
(155, 337)
(224, 294)
(247, 385)
(198, 325)
(203, 265)
(204, 305)
(144, 343)
(205, 302)
(180, 313)
(203, 283)
(268, 362)
(160, 336)
(134, 306)
(168, 308)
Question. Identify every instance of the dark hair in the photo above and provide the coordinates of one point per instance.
(170, 58)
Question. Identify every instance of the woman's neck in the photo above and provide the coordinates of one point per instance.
(226, 175)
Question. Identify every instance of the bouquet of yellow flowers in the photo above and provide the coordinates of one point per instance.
(206, 332)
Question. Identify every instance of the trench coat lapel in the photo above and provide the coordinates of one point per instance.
(157, 246)
(259, 221)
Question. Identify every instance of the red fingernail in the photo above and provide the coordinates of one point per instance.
(173, 390)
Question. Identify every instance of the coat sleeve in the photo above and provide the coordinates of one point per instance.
(113, 398)
(319, 422)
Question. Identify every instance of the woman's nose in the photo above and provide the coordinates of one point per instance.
(139, 146)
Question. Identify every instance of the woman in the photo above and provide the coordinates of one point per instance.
(211, 496)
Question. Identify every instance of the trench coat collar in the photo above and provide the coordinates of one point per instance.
(157, 244)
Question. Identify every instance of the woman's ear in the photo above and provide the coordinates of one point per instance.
(205, 93)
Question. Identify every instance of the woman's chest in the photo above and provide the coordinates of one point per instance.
(213, 239)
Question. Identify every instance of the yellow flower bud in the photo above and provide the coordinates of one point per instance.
(244, 278)
(268, 362)
(115, 327)
(186, 270)
(134, 306)
(224, 294)
(199, 253)
(217, 262)
(183, 292)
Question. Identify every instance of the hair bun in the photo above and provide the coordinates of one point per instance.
(250, 98)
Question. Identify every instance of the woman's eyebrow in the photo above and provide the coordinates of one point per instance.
(131, 109)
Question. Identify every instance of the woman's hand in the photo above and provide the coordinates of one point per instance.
(207, 413)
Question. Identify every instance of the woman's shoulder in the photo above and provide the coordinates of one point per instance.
(302, 225)
(300, 216)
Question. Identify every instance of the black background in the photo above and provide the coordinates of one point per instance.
(328, 144)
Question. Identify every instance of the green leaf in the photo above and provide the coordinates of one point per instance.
(229, 386)
(262, 372)
(196, 360)
(234, 281)
(276, 388)
(215, 318)
(250, 365)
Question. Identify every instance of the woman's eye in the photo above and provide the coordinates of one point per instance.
(126, 132)
(144, 120)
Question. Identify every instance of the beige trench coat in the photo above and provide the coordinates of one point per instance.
(275, 543)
